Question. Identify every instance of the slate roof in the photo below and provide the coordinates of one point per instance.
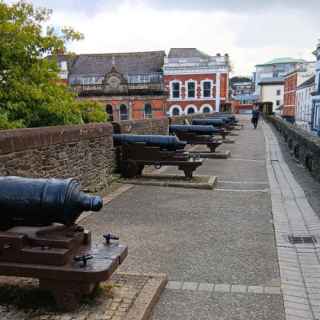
(308, 83)
(187, 53)
(129, 63)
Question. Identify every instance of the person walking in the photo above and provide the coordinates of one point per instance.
(255, 117)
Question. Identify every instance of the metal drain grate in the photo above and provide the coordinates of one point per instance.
(302, 239)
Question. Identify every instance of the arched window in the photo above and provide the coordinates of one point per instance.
(206, 108)
(147, 111)
(191, 109)
(124, 112)
(175, 111)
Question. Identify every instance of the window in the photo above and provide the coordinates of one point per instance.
(278, 92)
(207, 89)
(109, 112)
(191, 110)
(147, 111)
(191, 89)
(175, 111)
(278, 102)
(124, 112)
(175, 90)
(206, 110)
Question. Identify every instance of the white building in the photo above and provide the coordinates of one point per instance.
(274, 70)
(304, 103)
(272, 91)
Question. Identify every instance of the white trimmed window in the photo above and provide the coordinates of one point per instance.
(175, 110)
(124, 112)
(191, 109)
(206, 108)
(207, 89)
(175, 89)
(191, 89)
(147, 111)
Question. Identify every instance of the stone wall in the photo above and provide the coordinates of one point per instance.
(146, 126)
(83, 152)
(304, 146)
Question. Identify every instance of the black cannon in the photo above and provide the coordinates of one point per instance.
(41, 202)
(134, 152)
(197, 135)
(163, 142)
(229, 117)
(39, 238)
(219, 124)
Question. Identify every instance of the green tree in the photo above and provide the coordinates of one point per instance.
(31, 94)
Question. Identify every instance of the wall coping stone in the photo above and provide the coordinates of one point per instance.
(31, 138)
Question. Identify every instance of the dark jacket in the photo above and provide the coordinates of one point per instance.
(255, 114)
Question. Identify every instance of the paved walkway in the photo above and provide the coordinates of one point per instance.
(217, 247)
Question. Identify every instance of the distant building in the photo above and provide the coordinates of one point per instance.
(292, 81)
(129, 85)
(315, 119)
(196, 82)
(304, 103)
(272, 91)
(269, 84)
(243, 96)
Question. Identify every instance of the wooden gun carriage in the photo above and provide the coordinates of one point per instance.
(39, 238)
(197, 135)
(136, 151)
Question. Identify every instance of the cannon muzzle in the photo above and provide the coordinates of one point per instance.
(41, 202)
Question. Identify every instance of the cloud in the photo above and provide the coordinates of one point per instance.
(252, 32)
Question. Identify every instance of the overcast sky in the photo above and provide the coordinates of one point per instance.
(251, 31)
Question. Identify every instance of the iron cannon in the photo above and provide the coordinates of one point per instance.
(163, 142)
(197, 135)
(39, 238)
(196, 129)
(40, 202)
(134, 152)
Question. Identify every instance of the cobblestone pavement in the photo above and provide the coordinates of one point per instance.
(217, 247)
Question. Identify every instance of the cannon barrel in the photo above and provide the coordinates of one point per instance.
(171, 143)
(210, 122)
(196, 129)
(229, 117)
(41, 202)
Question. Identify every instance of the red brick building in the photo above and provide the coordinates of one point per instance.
(291, 82)
(128, 85)
(196, 82)
(289, 96)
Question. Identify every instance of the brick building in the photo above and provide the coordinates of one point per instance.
(291, 82)
(196, 82)
(128, 85)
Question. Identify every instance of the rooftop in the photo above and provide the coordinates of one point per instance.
(308, 83)
(187, 53)
(283, 60)
(128, 63)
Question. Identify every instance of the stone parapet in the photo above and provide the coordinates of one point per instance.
(304, 146)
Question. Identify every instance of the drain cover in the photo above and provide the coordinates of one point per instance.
(302, 239)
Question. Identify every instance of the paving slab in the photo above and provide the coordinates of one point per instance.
(205, 238)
